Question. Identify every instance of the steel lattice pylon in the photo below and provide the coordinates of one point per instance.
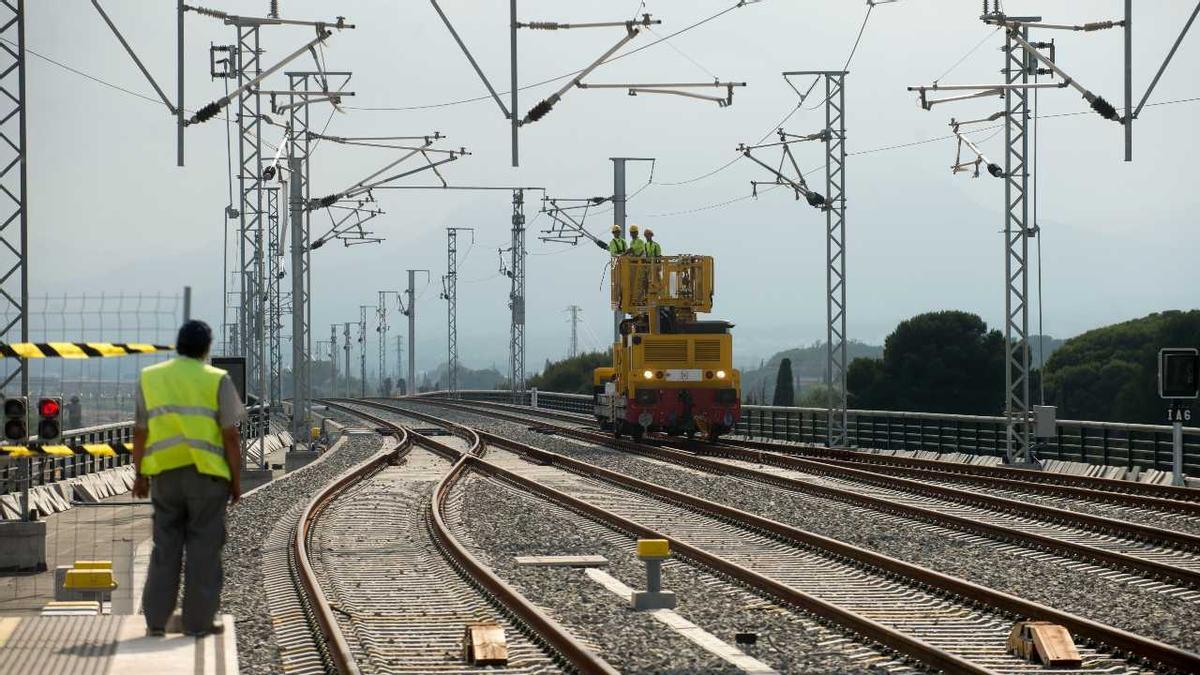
(516, 298)
(362, 348)
(381, 327)
(835, 257)
(1018, 448)
(252, 312)
(274, 295)
(450, 294)
(299, 148)
(14, 271)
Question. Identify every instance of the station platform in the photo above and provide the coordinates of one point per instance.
(110, 644)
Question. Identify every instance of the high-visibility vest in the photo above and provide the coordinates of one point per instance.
(616, 246)
(637, 248)
(653, 250)
(181, 405)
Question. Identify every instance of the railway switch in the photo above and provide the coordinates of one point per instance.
(653, 552)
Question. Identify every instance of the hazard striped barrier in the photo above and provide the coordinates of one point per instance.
(93, 449)
(77, 350)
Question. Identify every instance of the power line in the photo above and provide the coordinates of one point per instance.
(631, 52)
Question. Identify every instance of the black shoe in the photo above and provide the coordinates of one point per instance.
(155, 632)
(216, 629)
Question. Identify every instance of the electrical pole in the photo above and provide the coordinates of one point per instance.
(301, 369)
(620, 217)
(14, 283)
(450, 295)
(333, 360)
(516, 298)
(1017, 444)
(382, 329)
(399, 361)
(835, 258)
(411, 312)
(574, 349)
(346, 348)
(275, 219)
(362, 347)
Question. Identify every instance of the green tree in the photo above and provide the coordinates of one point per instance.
(944, 361)
(571, 376)
(785, 387)
(1110, 373)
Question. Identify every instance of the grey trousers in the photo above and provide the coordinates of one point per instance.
(189, 517)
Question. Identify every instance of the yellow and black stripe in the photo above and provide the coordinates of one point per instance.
(77, 350)
(94, 449)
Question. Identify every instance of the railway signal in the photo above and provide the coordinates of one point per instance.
(49, 410)
(1179, 383)
(16, 423)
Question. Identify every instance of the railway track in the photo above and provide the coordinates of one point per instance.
(1159, 559)
(943, 622)
(389, 589)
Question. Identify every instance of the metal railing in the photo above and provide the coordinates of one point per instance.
(47, 469)
(1144, 446)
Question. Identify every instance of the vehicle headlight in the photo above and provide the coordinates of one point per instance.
(720, 374)
(648, 374)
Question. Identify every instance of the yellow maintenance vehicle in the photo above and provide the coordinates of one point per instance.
(672, 372)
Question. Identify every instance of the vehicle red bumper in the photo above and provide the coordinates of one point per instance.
(671, 406)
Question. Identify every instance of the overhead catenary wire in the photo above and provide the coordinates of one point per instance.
(558, 78)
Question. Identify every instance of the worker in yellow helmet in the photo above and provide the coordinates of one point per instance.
(637, 246)
(617, 245)
(653, 249)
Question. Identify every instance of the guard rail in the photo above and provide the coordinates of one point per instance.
(1142, 446)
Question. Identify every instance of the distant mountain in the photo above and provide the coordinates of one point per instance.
(808, 368)
(468, 378)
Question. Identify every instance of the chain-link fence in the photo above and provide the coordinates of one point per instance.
(97, 390)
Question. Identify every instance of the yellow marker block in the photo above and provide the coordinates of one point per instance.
(92, 565)
(58, 450)
(99, 450)
(316, 433)
(90, 580)
(653, 548)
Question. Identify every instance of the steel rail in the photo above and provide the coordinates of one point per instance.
(1157, 652)
(337, 648)
(1122, 491)
(1113, 559)
(1078, 519)
(541, 625)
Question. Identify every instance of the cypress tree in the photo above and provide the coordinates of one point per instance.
(785, 390)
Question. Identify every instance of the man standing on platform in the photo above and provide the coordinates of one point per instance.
(187, 456)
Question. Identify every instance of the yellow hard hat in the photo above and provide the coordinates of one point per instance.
(649, 232)
(616, 229)
(633, 229)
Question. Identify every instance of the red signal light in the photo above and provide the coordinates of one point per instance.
(49, 407)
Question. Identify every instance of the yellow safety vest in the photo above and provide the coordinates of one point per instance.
(181, 405)
(637, 248)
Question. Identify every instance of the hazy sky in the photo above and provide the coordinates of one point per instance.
(110, 211)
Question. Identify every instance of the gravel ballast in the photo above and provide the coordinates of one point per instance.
(248, 525)
(499, 523)
(1142, 611)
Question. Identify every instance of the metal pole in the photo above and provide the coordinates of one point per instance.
(179, 84)
(400, 362)
(362, 348)
(187, 303)
(516, 298)
(301, 394)
(1128, 80)
(514, 118)
(1177, 454)
(412, 332)
(1016, 253)
(346, 340)
(333, 367)
(619, 221)
(835, 258)
(451, 296)
(382, 330)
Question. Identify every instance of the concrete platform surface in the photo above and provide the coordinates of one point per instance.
(117, 645)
